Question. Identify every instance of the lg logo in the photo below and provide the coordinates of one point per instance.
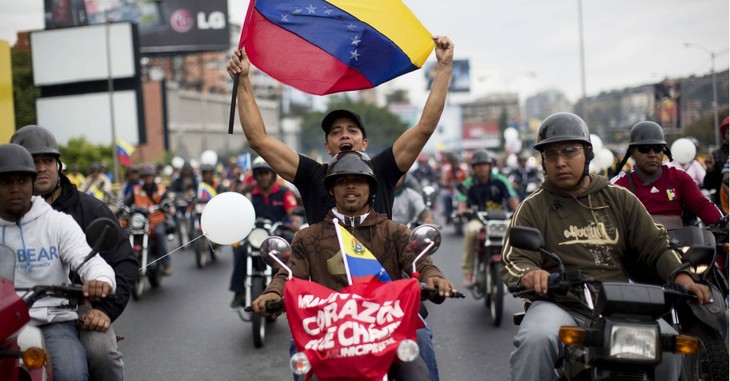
(182, 20)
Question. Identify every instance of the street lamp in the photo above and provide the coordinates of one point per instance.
(713, 55)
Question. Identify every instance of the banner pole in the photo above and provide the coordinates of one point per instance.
(232, 113)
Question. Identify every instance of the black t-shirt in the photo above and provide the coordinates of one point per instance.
(317, 201)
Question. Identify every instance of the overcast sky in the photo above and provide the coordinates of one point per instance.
(530, 45)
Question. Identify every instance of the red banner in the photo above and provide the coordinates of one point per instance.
(352, 334)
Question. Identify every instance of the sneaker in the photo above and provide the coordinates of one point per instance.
(239, 300)
(167, 271)
(468, 281)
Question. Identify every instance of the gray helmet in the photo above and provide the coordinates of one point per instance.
(646, 132)
(482, 157)
(207, 168)
(260, 165)
(37, 140)
(350, 163)
(148, 169)
(562, 127)
(15, 158)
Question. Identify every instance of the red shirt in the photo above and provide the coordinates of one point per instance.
(668, 194)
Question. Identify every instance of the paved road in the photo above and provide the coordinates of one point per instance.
(186, 331)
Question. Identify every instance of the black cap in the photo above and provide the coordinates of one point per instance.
(337, 114)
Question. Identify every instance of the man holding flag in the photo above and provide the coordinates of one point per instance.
(376, 247)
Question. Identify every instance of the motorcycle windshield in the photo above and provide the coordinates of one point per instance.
(7, 263)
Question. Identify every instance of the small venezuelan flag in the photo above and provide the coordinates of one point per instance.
(329, 46)
(362, 264)
(125, 151)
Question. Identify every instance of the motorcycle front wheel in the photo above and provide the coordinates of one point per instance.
(138, 287)
(201, 252)
(258, 322)
(711, 361)
(496, 294)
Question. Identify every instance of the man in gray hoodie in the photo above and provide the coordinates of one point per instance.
(48, 244)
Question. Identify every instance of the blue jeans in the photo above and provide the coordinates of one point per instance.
(537, 347)
(160, 236)
(102, 354)
(67, 353)
(238, 276)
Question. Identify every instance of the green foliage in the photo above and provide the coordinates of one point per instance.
(24, 93)
(382, 126)
(80, 151)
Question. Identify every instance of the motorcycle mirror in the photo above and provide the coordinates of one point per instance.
(424, 240)
(7, 263)
(276, 252)
(701, 243)
(526, 238)
(100, 234)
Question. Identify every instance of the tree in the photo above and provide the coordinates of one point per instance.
(24, 93)
(82, 152)
(382, 126)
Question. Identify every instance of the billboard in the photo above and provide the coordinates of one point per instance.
(88, 116)
(73, 55)
(460, 76)
(164, 26)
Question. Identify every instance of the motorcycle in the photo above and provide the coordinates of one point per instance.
(136, 222)
(622, 340)
(22, 349)
(487, 283)
(204, 248)
(184, 210)
(360, 333)
(258, 275)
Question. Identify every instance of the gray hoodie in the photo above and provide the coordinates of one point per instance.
(48, 244)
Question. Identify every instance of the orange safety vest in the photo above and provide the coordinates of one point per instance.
(141, 199)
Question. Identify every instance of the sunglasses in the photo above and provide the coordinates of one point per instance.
(566, 153)
(645, 148)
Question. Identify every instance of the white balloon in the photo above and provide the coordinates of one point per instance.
(227, 218)
(178, 162)
(597, 143)
(209, 157)
(604, 158)
(593, 167)
(683, 150)
(513, 146)
(511, 133)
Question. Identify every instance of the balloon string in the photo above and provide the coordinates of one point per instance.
(187, 243)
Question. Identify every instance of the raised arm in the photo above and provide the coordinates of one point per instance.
(411, 142)
(280, 157)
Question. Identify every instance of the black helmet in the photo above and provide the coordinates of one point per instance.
(350, 163)
(148, 169)
(14, 158)
(562, 127)
(482, 157)
(647, 132)
(94, 167)
(37, 140)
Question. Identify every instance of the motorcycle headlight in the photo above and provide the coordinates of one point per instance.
(137, 221)
(633, 342)
(299, 364)
(407, 350)
(256, 237)
(497, 228)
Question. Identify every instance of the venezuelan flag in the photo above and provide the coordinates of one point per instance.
(205, 192)
(362, 264)
(125, 151)
(323, 47)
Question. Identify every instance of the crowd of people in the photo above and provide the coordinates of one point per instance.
(551, 190)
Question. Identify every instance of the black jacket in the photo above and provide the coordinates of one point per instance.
(85, 209)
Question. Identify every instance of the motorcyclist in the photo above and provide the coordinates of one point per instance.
(184, 186)
(132, 180)
(590, 225)
(352, 182)
(453, 172)
(424, 172)
(522, 176)
(665, 191)
(151, 194)
(49, 244)
(483, 193)
(408, 205)
(97, 333)
(97, 184)
(714, 163)
(272, 202)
